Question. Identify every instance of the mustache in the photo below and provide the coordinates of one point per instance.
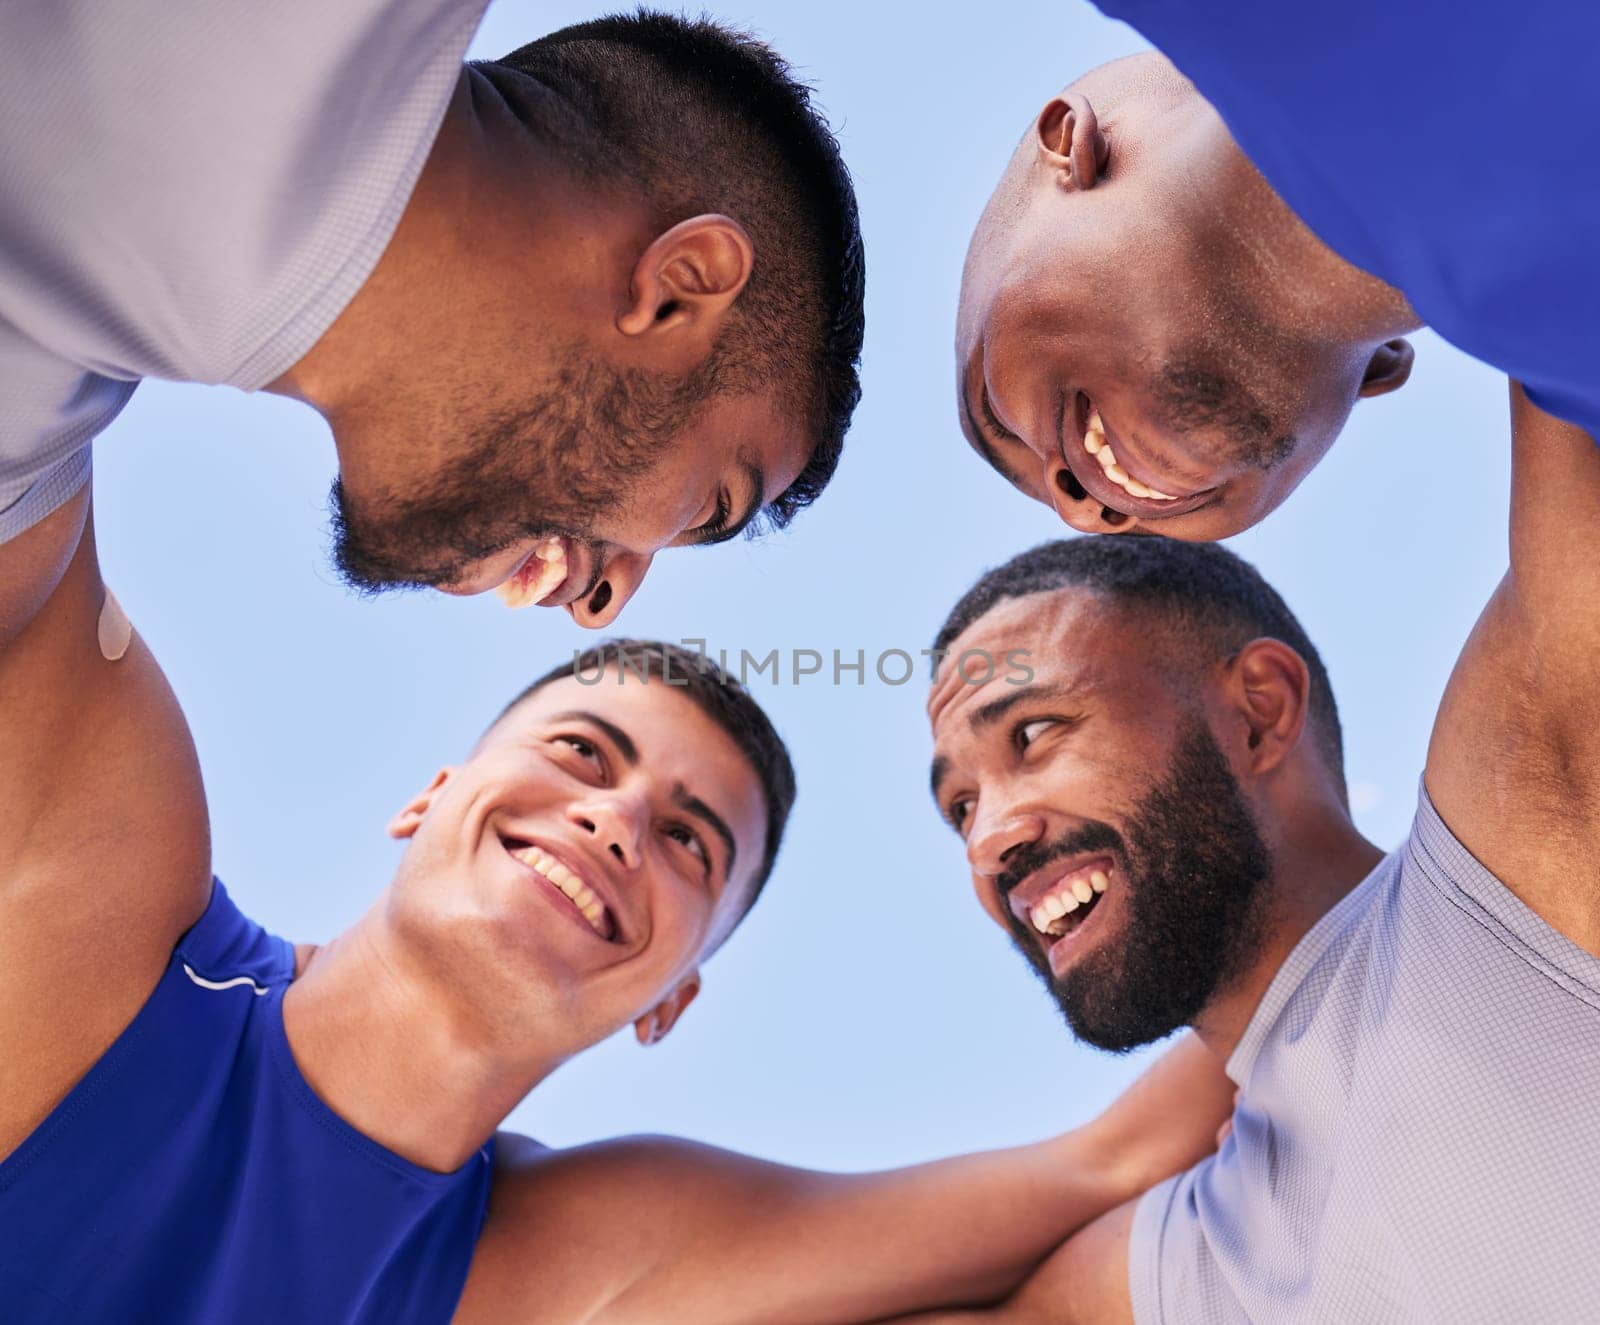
(1034, 856)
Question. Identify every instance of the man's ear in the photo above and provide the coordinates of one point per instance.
(1273, 691)
(1070, 143)
(688, 278)
(1388, 368)
(404, 824)
(654, 1025)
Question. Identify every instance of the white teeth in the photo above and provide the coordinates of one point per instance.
(551, 556)
(1094, 442)
(575, 889)
(1063, 899)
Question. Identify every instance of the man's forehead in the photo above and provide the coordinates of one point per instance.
(1057, 637)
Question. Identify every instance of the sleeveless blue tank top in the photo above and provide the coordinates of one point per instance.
(193, 1175)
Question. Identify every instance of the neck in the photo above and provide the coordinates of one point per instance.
(1314, 866)
(525, 250)
(397, 1056)
(1298, 285)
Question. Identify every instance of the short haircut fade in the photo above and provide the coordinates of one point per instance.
(1220, 599)
(704, 118)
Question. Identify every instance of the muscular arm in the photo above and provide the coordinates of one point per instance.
(104, 857)
(661, 1231)
(1514, 762)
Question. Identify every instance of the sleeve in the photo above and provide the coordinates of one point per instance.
(194, 190)
(1174, 1275)
(50, 409)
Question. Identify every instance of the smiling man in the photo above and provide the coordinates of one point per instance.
(1179, 290)
(560, 310)
(1158, 821)
(201, 1122)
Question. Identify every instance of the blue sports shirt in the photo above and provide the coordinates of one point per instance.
(193, 1176)
(1449, 147)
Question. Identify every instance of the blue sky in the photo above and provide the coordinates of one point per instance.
(867, 1014)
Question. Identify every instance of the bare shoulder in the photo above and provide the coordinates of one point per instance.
(546, 1253)
(106, 858)
(1514, 762)
(1086, 1281)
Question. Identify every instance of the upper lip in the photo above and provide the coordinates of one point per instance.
(1074, 422)
(582, 864)
(1022, 898)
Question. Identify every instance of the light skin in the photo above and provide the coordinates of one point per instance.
(1133, 264)
(544, 270)
(1513, 768)
(477, 972)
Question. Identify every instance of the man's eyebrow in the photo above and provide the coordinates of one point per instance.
(619, 738)
(752, 508)
(996, 709)
(937, 774)
(697, 807)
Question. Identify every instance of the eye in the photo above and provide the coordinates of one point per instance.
(718, 523)
(957, 811)
(585, 749)
(989, 417)
(1031, 731)
(691, 840)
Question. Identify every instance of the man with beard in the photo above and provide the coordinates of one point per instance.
(560, 310)
(1180, 289)
(201, 1122)
(1158, 819)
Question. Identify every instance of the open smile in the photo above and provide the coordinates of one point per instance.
(576, 892)
(1103, 466)
(1059, 901)
(557, 571)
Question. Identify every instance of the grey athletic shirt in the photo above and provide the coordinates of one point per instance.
(192, 189)
(1418, 1130)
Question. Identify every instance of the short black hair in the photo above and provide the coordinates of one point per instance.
(720, 698)
(705, 118)
(1219, 599)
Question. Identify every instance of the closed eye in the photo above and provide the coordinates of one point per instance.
(999, 429)
(716, 530)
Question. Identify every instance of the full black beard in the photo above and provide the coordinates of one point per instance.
(579, 452)
(1194, 873)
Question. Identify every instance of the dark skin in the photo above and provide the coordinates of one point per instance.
(1513, 768)
(1133, 263)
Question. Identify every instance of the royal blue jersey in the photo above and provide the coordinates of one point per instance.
(194, 1176)
(1449, 147)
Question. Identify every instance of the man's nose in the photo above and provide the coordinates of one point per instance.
(624, 574)
(997, 834)
(1076, 507)
(615, 822)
